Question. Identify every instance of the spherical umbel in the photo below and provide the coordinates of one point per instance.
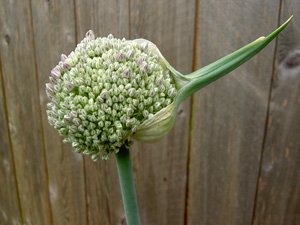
(103, 91)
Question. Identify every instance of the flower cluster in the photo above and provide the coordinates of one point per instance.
(103, 91)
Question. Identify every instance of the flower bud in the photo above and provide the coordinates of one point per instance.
(69, 86)
(55, 73)
(139, 61)
(90, 35)
(120, 57)
(130, 54)
(49, 88)
(63, 57)
(131, 92)
(66, 66)
(126, 73)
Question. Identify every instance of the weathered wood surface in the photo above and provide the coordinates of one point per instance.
(104, 200)
(65, 167)
(229, 115)
(278, 196)
(9, 202)
(21, 92)
(244, 143)
(160, 168)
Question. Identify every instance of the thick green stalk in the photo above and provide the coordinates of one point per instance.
(127, 186)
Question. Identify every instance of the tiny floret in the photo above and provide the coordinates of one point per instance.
(102, 91)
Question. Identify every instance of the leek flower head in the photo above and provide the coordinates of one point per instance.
(108, 89)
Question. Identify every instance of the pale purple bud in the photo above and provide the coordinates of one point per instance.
(120, 57)
(55, 73)
(70, 86)
(139, 61)
(130, 54)
(66, 66)
(73, 114)
(126, 73)
(144, 66)
(63, 57)
(90, 35)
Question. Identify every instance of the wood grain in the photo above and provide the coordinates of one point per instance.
(229, 115)
(103, 190)
(161, 168)
(9, 204)
(20, 86)
(66, 174)
(244, 153)
(278, 196)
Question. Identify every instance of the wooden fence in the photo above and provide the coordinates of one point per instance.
(233, 156)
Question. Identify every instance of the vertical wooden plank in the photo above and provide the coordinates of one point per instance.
(160, 168)
(102, 17)
(103, 189)
(54, 33)
(9, 204)
(229, 115)
(20, 85)
(278, 195)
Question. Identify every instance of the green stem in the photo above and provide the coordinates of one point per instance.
(127, 186)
